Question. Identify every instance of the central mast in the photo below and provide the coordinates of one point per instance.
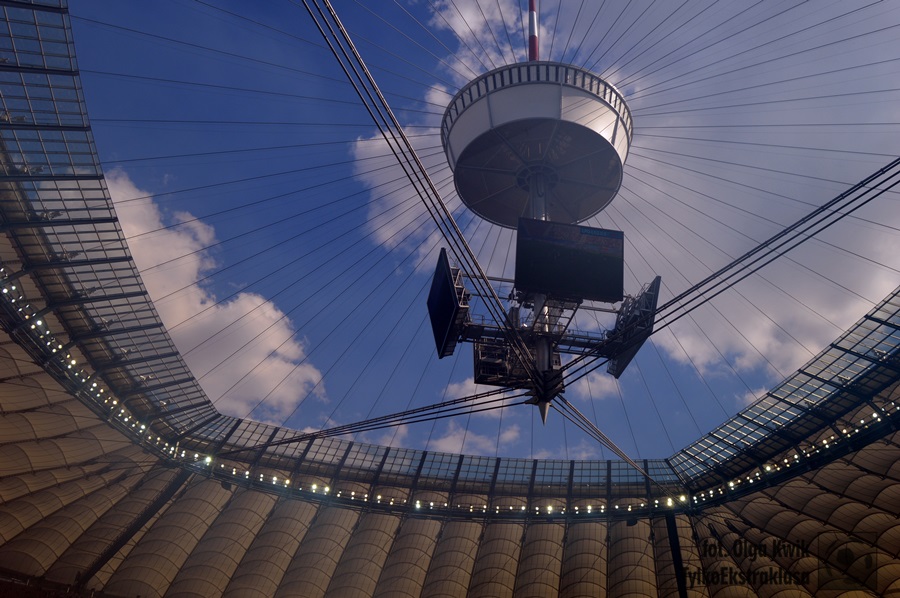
(540, 146)
(533, 48)
(538, 187)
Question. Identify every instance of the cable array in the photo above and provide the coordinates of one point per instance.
(339, 41)
(820, 219)
(668, 60)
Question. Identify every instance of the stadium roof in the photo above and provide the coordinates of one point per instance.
(117, 473)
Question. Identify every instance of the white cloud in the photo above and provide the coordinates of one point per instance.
(256, 350)
(596, 386)
(779, 324)
(467, 388)
(584, 449)
(463, 389)
(476, 26)
(457, 439)
(750, 397)
(394, 437)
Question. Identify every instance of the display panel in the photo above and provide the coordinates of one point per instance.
(444, 307)
(634, 325)
(570, 261)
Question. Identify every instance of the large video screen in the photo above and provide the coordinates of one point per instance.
(570, 261)
(443, 307)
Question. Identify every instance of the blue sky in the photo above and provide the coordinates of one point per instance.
(290, 261)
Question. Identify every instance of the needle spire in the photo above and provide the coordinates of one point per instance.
(533, 53)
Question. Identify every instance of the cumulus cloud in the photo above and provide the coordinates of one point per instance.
(396, 214)
(750, 397)
(255, 363)
(596, 386)
(457, 439)
(397, 218)
(476, 25)
(467, 388)
(781, 317)
(464, 389)
(394, 437)
(584, 449)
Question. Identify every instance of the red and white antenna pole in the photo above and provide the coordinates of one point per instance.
(532, 31)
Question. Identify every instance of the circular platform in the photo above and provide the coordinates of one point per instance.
(542, 128)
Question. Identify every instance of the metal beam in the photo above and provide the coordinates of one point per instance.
(26, 177)
(21, 224)
(124, 396)
(25, 126)
(112, 332)
(33, 6)
(569, 343)
(40, 70)
(103, 367)
(73, 264)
